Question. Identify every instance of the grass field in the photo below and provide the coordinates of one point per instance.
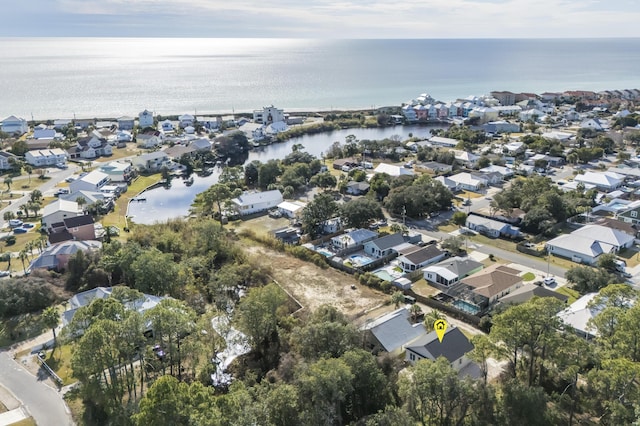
(60, 362)
(529, 276)
(573, 295)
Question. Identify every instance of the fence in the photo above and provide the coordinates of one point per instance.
(48, 369)
(455, 313)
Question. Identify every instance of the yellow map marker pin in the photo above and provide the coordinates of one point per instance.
(440, 326)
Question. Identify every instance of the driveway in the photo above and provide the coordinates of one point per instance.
(43, 403)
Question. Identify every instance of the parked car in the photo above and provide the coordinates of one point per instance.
(14, 223)
(62, 166)
(4, 274)
(19, 231)
(549, 281)
(28, 225)
(70, 179)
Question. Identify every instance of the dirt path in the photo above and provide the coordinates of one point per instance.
(313, 286)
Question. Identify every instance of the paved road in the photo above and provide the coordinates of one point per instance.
(43, 403)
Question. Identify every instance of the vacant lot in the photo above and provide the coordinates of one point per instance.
(313, 286)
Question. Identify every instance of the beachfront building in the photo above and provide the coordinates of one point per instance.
(117, 171)
(14, 125)
(186, 120)
(145, 119)
(46, 157)
(5, 163)
(268, 115)
(149, 139)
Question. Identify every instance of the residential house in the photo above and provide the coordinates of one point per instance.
(352, 239)
(504, 172)
(594, 124)
(178, 151)
(92, 181)
(211, 123)
(435, 167)
(383, 246)
(166, 126)
(126, 123)
(619, 225)
(256, 202)
(420, 258)
(151, 161)
(90, 147)
(467, 159)
(56, 256)
(145, 119)
(448, 183)
(268, 115)
(497, 127)
(117, 171)
(288, 235)
(91, 198)
(531, 114)
(186, 120)
(485, 113)
(443, 142)
(630, 213)
(201, 145)
(490, 284)
(392, 332)
(504, 97)
(528, 292)
(61, 124)
(604, 181)
(78, 228)
(451, 271)
(357, 188)
(514, 147)
(350, 162)
(393, 170)
(291, 209)
(14, 125)
(586, 244)
(83, 123)
(490, 227)
(409, 114)
(44, 134)
(468, 181)
(149, 139)
(579, 315)
(5, 162)
(454, 348)
(58, 210)
(80, 300)
(551, 160)
(46, 157)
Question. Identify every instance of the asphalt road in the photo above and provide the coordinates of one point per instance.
(43, 403)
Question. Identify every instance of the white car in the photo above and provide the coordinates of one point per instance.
(549, 281)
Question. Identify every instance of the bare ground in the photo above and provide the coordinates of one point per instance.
(313, 286)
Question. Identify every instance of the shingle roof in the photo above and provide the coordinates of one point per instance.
(493, 280)
(454, 345)
(73, 222)
(422, 255)
(388, 241)
(459, 266)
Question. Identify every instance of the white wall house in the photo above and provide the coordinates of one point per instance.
(145, 119)
(268, 115)
(604, 181)
(126, 123)
(46, 157)
(117, 171)
(5, 164)
(91, 146)
(149, 139)
(14, 125)
(166, 126)
(586, 244)
(186, 120)
(151, 161)
(454, 347)
(255, 202)
(92, 181)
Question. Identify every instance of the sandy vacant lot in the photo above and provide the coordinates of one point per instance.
(312, 286)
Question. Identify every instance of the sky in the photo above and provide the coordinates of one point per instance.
(322, 18)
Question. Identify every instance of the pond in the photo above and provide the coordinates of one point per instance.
(161, 204)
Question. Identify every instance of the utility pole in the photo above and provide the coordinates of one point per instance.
(404, 213)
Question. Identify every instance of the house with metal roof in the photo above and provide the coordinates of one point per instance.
(420, 258)
(393, 170)
(454, 348)
(354, 238)
(586, 244)
(255, 202)
(604, 181)
(383, 246)
(392, 332)
(490, 227)
(450, 271)
(579, 315)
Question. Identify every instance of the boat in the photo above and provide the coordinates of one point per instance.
(189, 182)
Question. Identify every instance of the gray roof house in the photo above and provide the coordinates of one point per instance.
(454, 347)
(450, 271)
(56, 256)
(357, 188)
(529, 291)
(491, 228)
(383, 246)
(392, 332)
(578, 315)
(420, 258)
(586, 244)
(255, 202)
(353, 238)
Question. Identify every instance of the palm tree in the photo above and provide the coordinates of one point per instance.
(9, 215)
(51, 318)
(8, 181)
(23, 256)
(431, 318)
(36, 195)
(29, 169)
(397, 298)
(81, 201)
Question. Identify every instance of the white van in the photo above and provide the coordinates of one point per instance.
(14, 223)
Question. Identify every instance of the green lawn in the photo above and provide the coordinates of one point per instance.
(60, 362)
(117, 216)
(495, 242)
(529, 276)
(449, 227)
(573, 295)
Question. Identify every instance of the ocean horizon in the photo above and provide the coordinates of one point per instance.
(50, 78)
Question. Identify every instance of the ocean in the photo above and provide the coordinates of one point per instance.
(49, 78)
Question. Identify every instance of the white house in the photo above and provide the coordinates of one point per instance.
(486, 114)
(353, 239)
(5, 164)
(579, 315)
(604, 181)
(201, 145)
(504, 172)
(531, 114)
(468, 181)
(151, 161)
(255, 202)
(91, 146)
(186, 120)
(593, 123)
(467, 159)
(92, 181)
(392, 170)
(46, 157)
(59, 210)
(444, 142)
(383, 246)
(117, 171)
(420, 258)
(166, 126)
(291, 209)
(450, 271)
(586, 244)
(268, 115)
(44, 134)
(14, 125)
(145, 119)
(454, 348)
(490, 227)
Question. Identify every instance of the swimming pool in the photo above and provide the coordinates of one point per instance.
(466, 307)
(360, 260)
(383, 275)
(324, 252)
